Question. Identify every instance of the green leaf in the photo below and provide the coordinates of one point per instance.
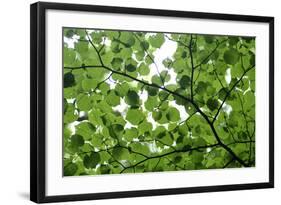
(68, 80)
(201, 88)
(89, 84)
(70, 115)
(157, 40)
(231, 56)
(145, 127)
(185, 81)
(95, 117)
(69, 33)
(115, 46)
(156, 80)
(222, 93)
(173, 114)
(120, 153)
(233, 40)
(157, 115)
(144, 45)
(118, 128)
(152, 91)
(132, 98)
(104, 169)
(97, 37)
(97, 73)
(143, 69)
(209, 39)
(197, 157)
(77, 140)
(249, 99)
(69, 57)
(97, 140)
(112, 99)
(151, 103)
(212, 104)
(84, 102)
(130, 134)
(134, 116)
(141, 148)
(91, 161)
(199, 141)
(167, 63)
(117, 63)
(165, 75)
(70, 169)
(127, 38)
(122, 89)
(131, 65)
(85, 129)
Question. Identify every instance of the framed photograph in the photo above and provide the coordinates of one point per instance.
(129, 102)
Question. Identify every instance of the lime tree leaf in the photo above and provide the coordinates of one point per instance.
(143, 69)
(89, 84)
(132, 98)
(152, 91)
(95, 117)
(151, 103)
(157, 40)
(70, 115)
(231, 56)
(77, 140)
(134, 116)
(104, 169)
(120, 153)
(112, 99)
(157, 115)
(70, 169)
(131, 65)
(131, 134)
(91, 161)
(127, 38)
(97, 140)
(69, 57)
(117, 63)
(156, 80)
(209, 39)
(141, 148)
(185, 81)
(173, 114)
(145, 127)
(68, 80)
(85, 129)
(212, 104)
(84, 102)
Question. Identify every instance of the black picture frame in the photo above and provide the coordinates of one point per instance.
(38, 101)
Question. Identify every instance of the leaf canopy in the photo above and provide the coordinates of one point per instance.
(150, 102)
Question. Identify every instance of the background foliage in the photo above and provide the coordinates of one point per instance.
(124, 114)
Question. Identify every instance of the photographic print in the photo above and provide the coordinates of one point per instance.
(132, 102)
(141, 101)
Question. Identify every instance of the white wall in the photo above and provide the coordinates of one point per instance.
(14, 100)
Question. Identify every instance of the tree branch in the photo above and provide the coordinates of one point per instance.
(192, 66)
(210, 54)
(169, 153)
(97, 51)
(228, 163)
(188, 100)
(228, 93)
